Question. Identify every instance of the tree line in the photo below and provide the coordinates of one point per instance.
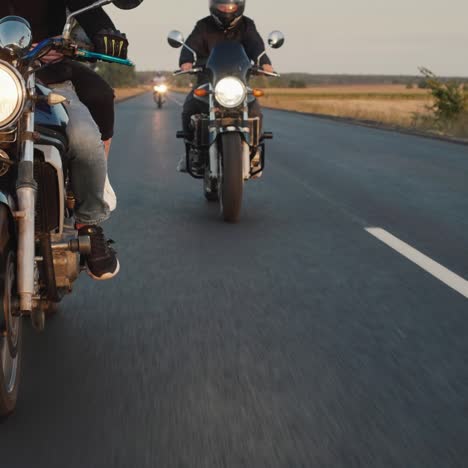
(121, 76)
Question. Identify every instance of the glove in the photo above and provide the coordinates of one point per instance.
(111, 42)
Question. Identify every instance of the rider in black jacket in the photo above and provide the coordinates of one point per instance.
(226, 23)
(90, 101)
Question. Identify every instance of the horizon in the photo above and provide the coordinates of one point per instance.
(376, 75)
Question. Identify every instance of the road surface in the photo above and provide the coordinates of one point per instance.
(329, 328)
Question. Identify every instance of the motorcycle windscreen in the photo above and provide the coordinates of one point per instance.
(228, 59)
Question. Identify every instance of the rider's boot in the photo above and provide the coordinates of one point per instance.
(182, 165)
(102, 262)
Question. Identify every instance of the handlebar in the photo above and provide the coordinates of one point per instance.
(87, 55)
(192, 71)
(41, 47)
(60, 44)
(255, 70)
(260, 71)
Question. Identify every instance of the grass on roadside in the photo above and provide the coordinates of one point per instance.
(387, 104)
(125, 93)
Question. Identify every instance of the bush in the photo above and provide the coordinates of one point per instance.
(422, 84)
(449, 98)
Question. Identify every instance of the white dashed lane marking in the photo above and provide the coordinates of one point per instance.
(437, 270)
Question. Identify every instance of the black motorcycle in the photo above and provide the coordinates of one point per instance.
(39, 245)
(228, 147)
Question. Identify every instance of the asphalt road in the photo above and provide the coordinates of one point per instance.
(293, 339)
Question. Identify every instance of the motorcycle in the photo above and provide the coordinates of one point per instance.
(40, 250)
(159, 94)
(228, 147)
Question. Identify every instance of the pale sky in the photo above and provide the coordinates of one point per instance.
(333, 36)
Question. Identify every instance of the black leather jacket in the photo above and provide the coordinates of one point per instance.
(47, 17)
(207, 34)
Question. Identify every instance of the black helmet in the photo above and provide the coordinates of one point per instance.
(227, 13)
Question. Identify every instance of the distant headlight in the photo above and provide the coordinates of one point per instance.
(12, 95)
(230, 92)
(161, 89)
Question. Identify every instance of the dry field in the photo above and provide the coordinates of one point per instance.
(389, 104)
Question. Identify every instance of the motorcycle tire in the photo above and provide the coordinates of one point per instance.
(232, 184)
(11, 325)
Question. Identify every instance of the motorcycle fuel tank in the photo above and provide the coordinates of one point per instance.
(53, 117)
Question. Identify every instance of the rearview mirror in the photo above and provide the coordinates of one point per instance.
(122, 4)
(15, 34)
(175, 39)
(276, 39)
(127, 4)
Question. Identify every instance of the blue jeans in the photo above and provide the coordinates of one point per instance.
(87, 159)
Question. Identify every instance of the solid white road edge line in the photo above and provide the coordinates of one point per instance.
(447, 277)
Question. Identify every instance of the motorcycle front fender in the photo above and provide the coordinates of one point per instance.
(245, 153)
(243, 132)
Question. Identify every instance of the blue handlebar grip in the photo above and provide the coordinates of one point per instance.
(86, 54)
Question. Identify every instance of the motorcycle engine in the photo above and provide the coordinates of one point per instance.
(67, 268)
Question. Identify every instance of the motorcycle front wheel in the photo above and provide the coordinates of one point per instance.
(11, 333)
(232, 183)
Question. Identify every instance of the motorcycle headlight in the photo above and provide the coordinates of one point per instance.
(161, 89)
(12, 95)
(230, 92)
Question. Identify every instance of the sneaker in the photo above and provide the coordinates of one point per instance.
(109, 195)
(102, 263)
(182, 166)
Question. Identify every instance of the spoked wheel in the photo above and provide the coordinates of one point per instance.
(232, 185)
(210, 188)
(11, 333)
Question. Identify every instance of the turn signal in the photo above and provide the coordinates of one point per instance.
(258, 92)
(53, 99)
(201, 92)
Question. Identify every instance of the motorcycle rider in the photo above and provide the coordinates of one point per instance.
(88, 96)
(226, 23)
(159, 79)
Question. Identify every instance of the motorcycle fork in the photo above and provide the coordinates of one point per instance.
(26, 190)
(214, 137)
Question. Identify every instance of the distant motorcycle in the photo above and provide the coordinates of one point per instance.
(39, 246)
(159, 94)
(229, 146)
